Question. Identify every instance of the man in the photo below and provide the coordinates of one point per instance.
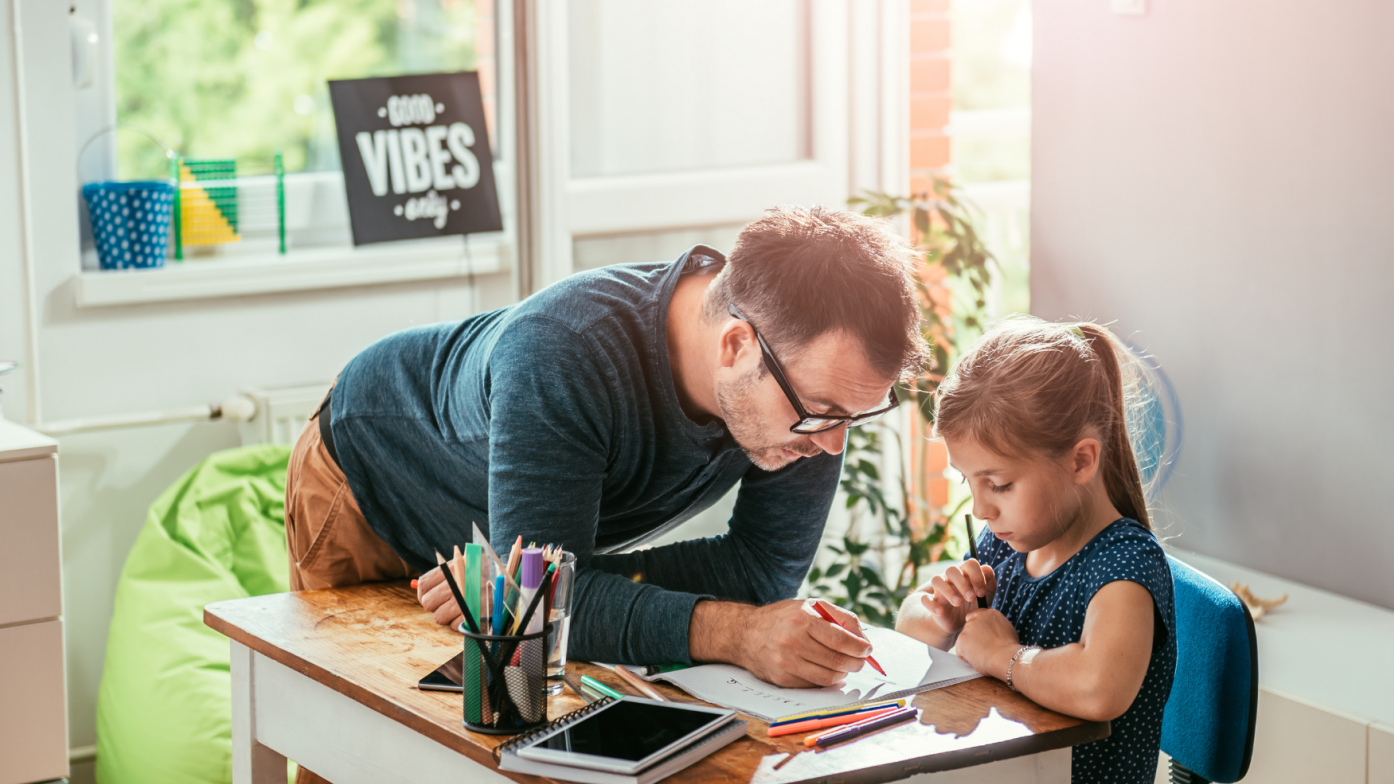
(611, 407)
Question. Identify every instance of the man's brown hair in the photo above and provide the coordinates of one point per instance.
(800, 272)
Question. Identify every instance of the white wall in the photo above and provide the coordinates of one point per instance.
(137, 358)
(1215, 177)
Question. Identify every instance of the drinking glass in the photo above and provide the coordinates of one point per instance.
(560, 620)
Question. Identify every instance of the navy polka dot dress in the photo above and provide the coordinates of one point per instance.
(1049, 611)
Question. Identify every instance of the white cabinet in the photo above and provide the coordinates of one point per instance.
(33, 714)
(1297, 742)
(1381, 764)
(33, 721)
(1326, 691)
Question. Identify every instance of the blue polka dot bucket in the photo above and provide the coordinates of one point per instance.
(130, 222)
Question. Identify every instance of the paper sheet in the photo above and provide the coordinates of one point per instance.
(911, 667)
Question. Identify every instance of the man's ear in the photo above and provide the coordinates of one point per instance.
(1084, 460)
(736, 344)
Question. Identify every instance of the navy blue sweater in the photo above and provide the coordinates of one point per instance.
(557, 419)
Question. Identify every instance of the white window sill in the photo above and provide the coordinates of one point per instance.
(299, 270)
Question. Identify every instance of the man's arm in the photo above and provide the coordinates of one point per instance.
(552, 419)
(775, 531)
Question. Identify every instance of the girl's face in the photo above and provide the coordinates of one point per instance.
(1027, 503)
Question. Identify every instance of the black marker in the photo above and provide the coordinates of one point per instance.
(973, 553)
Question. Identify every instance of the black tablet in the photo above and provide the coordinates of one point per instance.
(626, 736)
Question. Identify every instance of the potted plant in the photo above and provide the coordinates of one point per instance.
(898, 523)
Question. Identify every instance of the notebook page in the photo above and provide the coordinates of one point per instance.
(911, 667)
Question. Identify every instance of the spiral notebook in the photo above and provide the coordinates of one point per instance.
(506, 753)
(911, 667)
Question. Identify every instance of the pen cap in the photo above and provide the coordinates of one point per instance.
(533, 566)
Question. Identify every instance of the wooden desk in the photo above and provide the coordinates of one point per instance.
(327, 679)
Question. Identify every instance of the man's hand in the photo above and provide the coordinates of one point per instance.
(434, 594)
(785, 643)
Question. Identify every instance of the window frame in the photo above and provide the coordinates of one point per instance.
(609, 205)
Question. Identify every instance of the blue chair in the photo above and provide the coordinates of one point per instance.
(1208, 727)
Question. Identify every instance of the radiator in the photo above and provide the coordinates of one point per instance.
(280, 413)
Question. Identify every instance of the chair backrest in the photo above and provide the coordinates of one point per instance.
(1209, 722)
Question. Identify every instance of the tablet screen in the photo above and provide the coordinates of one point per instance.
(631, 731)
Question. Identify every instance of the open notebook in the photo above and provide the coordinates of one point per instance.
(911, 667)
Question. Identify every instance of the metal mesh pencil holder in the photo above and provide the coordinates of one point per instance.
(505, 682)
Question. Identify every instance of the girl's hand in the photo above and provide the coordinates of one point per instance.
(952, 595)
(988, 642)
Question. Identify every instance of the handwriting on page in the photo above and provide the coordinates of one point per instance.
(762, 694)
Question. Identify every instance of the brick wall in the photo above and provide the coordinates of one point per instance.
(485, 61)
(930, 101)
(930, 96)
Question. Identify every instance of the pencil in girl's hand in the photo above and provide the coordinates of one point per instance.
(829, 618)
(973, 553)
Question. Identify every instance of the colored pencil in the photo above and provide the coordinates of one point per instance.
(828, 714)
(861, 728)
(813, 725)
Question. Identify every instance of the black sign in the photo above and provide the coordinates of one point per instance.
(415, 154)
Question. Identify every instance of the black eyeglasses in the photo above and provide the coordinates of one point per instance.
(807, 423)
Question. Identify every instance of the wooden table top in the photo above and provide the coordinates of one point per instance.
(373, 643)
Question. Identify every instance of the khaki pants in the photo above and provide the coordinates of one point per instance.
(330, 544)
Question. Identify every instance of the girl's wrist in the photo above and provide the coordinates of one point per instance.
(1002, 659)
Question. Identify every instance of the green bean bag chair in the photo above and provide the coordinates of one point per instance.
(164, 710)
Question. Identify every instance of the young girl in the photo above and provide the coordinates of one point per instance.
(1081, 617)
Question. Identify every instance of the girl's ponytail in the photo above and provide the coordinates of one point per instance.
(1028, 386)
(1121, 477)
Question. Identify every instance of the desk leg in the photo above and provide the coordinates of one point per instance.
(252, 763)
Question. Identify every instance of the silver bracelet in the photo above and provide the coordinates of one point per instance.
(1012, 664)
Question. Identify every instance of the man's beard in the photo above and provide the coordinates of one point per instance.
(734, 401)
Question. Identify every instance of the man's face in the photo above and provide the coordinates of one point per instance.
(830, 376)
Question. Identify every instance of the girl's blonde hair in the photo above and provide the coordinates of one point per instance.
(1031, 387)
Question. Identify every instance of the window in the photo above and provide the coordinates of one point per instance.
(251, 73)
(991, 129)
(243, 79)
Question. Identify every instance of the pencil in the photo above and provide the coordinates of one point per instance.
(455, 589)
(638, 683)
(514, 554)
(973, 553)
(829, 618)
(813, 725)
(862, 728)
(831, 712)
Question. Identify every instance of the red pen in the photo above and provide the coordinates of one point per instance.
(829, 618)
